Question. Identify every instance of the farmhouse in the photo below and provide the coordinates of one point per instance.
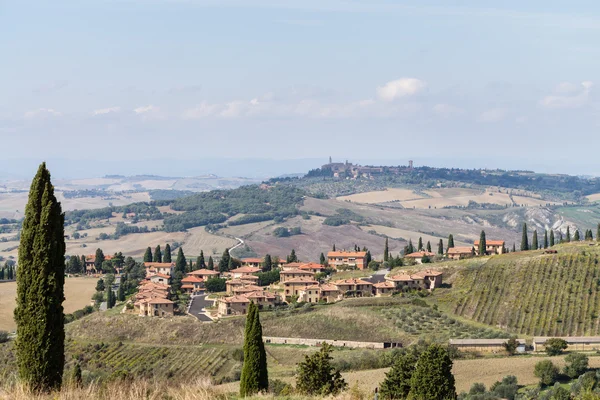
(317, 293)
(159, 278)
(491, 246)
(156, 307)
(152, 300)
(295, 285)
(312, 267)
(295, 273)
(160, 268)
(354, 287)
(484, 345)
(242, 271)
(238, 304)
(356, 259)
(419, 255)
(90, 263)
(205, 274)
(252, 262)
(575, 343)
(458, 253)
(427, 279)
(192, 284)
(386, 288)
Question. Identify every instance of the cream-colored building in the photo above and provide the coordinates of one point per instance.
(418, 256)
(205, 274)
(292, 287)
(384, 288)
(491, 247)
(241, 271)
(238, 304)
(317, 293)
(286, 275)
(159, 268)
(458, 253)
(354, 287)
(192, 284)
(355, 259)
(156, 307)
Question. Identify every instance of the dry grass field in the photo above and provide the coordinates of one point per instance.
(414, 236)
(78, 294)
(593, 197)
(382, 196)
(448, 199)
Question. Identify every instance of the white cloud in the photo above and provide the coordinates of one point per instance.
(447, 110)
(566, 98)
(108, 110)
(42, 112)
(202, 110)
(146, 109)
(493, 115)
(400, 88)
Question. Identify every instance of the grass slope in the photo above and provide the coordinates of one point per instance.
(531, 293)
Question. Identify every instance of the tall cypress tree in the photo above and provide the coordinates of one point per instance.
(551, 238)
(545, 238)
(534, 241)
(211, 263)
(568, 234)
(267, 263)
(386, 251)
(441, 248)
(598, 233)
(157, 254)
(577, 236)
(482, 244)
(420, 246)
(524, 239)
(322, 259)
(99, 259)
(450, 241)
(514, 248)
(428, 247)
(224, 261)
(167, 256)
(180, 262)
(410, 248)
(254, 377)
(39, 313)
(432, 377)
(200, 263)
(148, 255)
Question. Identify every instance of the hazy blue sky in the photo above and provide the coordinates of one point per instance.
(480, 83)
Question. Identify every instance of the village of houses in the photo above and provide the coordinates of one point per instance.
(296, 283)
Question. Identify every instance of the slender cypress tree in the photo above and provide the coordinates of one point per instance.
(598, 233)
(450, 241)
(148, 255)
(591, 235)
(577, 236)
(99, 259)
(482, 244)
(534, 241)
(211, 263)
(180, 262)
(167, 256)
(267, 264)
(121, 293)
(524, 240)
(546, 238)
(441, 248)
(428, 247)
(514, 248)
(200, 263)
(322, 259)
(224, 261)
(410, 248)
(386, 251)
(39, 313)
(568, 234)
(333, 249)
(551, 238)
(254, 377)
(420, 246)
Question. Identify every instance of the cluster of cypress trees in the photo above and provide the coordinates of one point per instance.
(255, 377)
(8, 272)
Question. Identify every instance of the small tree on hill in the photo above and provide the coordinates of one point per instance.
(551, 242)
(100, 285)
(292, 257)
(524, 239)
(211, 263)
(267, 263)
(514, 249)
(322, 259)
(432, 377)
(99, 260)
(180, 262)
(428, 247)
(224, 261)
(148, 255)
(200, 263)
(167, 256)
(546, 238)
(546, 371)
(254, 377)
(397, 381)
(420, 246)
(482, 244)
(568, 234)
(410, 248)
(534, 241)
(555, 346)
(576, 365)
(386, 251)
(450, 241)
(511, 346)
(316, 375)
(121, 292)
(440, 248)
(157, 257)
(577, 236)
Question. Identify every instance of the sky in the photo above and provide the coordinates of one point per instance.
(105, 85)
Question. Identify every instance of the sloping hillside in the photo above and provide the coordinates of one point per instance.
(532, 293)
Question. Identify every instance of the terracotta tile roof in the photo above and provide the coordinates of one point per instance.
(358, 254)
(236, 282)
(247, 289)
(399, 278)
(491, 243)
(460, 250)
(384, 285)
(293, 265)
(352, 281)
(420, 254)
(159, 275)
(259, 294)
(252, 260)
(245, 270)
(300, 280)
(204, 271)
(311, 266)
(296, 271)
(323, 288)
(160, 301)
(187, 286)
(192, 279)
(235, 299)
(158, 265)
(249, 278)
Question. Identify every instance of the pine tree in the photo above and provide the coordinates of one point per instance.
(157, 258)
(254, 377)
(148, 255)
(82, 263)
(428, 247)
(432, 377)
(99, 259)
(167, 256)
(200, 263)
(368, 257)
(180, 262)
(450, 241)
(39, 312)
(420, 246)
(397, 381)
(534, 241)
(482, 244)
(267, 264)
(441, 248)
(410, 248)
(100, 285)
(551, 238)
(576, 237)
(121, 293)
(211, 263)
(224, 261)
(524, 239)
(110, 298)
(292, 257)
(316, 375)
(322, 259)
(386, 251)
(545, 238)
(568, 234)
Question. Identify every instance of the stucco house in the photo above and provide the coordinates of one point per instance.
(317, 293)
(356, 259)
(159, 268)
(458, 253)
(295, 273)
(491, 247)
(354, 287)
(418, 256)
